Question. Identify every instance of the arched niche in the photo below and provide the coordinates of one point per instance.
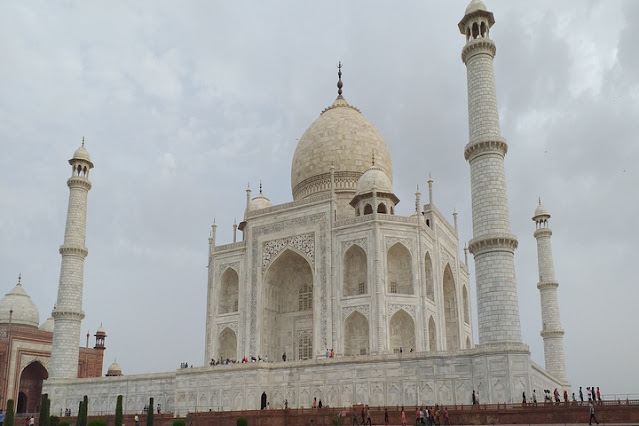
(355, 272)
(368, 209)
(428, 275)
(381, 208)
(451, 316)
(287, 305)
(31, 380)
(466, 305)
(229, 291)
(228, 344)
(399, 269)
(432, 335)
(402, 331)
(356, 335)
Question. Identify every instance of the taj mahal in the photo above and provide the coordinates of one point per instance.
(336, 269)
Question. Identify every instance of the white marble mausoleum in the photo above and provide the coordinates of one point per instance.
(337, 269)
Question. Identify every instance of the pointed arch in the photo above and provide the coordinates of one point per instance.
(355, 272)
(368, 209)
(381, 208)
(356, 335)
(400, 270)
(466, 305)
(229, 292)
(428, 274)
(451, 316)
(304, 345)
(287, 305)
(228, 344)
(432, 335)
(31, 380)
(402, 331)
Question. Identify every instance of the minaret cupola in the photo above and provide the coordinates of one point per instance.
(477, 21)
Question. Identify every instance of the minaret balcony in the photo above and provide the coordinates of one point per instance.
(481, 245)
(476, 148)
(480, 45)
(79, 182)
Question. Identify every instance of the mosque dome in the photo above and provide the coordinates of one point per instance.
(24, 310)
(114, 370)
(374, 179)
(259, 202)
(47, 325)
(474, 6)
(343, 138)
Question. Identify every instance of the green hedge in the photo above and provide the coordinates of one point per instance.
(8, 420)
(179, 422)
(64, 423)
(98, 422)
(242, 421)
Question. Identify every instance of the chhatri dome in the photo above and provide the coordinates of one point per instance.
(374, 179)
(343, 138)
(24, 310)
(259, 202)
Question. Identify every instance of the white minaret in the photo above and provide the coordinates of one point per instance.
(551, 331)
(67, 314)
(493, 245)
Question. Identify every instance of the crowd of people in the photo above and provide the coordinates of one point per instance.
(593, 394)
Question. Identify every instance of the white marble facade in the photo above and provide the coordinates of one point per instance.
(336, 268)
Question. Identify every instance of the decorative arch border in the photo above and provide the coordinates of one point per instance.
(360, 242)
(304, 245)
(362, 309)
(235, 266)
(27, 360)
(406, 242)
(393, 308)
(233, 326)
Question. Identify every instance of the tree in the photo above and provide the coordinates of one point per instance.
(45, 403)
(8, 420)
(149, 417)
(83, 411)
(118, 412)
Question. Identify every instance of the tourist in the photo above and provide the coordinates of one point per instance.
(354, 417)
(446, 419)
(31, 421)
(386, 420)
(523, 396)
(266, 358)
(314, 402)
(574, 399)
(421, 416)
(284, 357)
(565, 396)
(268, 405)
(363, 416)
(320, 404)
(437, 415)
(598, 394)
(137, 420)
(592, 413)
(581, 394)
(474, 398)
(368, 416)
(328, 353)
(534, 397)
(594, 395)
(417, 416)
(403, 417)
(286, 404)
(1, 417)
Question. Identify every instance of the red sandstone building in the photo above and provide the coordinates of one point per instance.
(25, 352)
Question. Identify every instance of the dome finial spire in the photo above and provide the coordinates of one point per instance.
(260, 187)
(82, 140)
(373, 156)
(339, 79)
(20, 278)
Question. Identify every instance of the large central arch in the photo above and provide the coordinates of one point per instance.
(402, 331)
(356, 341)
(287, 314)
(31, 387)
(229, 291)
(400, 270)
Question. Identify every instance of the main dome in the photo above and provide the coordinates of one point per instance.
(343, 138)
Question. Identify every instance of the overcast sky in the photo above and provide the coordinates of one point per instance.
(184, 103)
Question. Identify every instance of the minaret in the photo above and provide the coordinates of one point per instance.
(551, 331)
(493, 245)
(67, 314)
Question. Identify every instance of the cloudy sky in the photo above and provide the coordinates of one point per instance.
(184, 103)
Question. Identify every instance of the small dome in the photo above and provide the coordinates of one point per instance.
(474, 6)
(101, 331)
(114, 370)
(47, 325)
(81, 154)
(374, 179)
(258, 203)
(24, 310)
(541, 211)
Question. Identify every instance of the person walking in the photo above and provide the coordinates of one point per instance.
(354, 417)
(386, 419)
(592, 413)
(581, 394)
(403, 417)
(446, 419)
